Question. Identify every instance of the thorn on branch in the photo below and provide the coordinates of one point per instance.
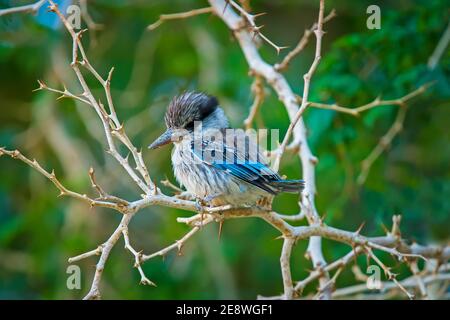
(42, 86)
(108, 79)
(148, 282)
(358, 231)
(249, 19)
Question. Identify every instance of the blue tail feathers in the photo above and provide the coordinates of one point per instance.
(290, 186)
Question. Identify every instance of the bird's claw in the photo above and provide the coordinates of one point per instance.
(200, 207)
(201, 203)
(209, 198)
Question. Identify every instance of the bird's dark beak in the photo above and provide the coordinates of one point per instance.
(163, 139)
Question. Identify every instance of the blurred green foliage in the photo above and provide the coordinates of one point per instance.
(39, 231)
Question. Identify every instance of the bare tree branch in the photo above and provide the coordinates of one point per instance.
(29, 8)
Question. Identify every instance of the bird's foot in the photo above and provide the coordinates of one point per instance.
(209, 199)
(200, 206)
(264, 203)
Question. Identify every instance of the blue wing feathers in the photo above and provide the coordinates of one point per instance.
(253, 172)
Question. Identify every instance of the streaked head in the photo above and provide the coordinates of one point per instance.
(184, 111)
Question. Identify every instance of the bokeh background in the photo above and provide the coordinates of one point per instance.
(38, 231)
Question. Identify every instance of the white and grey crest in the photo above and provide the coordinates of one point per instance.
(190, 107)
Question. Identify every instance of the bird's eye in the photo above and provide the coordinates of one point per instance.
(189, 126)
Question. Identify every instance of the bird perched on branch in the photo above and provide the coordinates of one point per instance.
(218, 165)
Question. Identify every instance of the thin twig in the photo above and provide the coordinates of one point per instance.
(95, 252)
(170, 185)
(284, 64)
(440, 49)
(178, 245)
(382, 145)
(258, 92)
(91, 24)
(176, 16)
(29, 8)
(377, 102)
(137, 258)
